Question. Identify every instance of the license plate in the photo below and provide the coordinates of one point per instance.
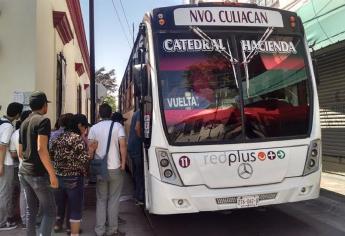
(247, 201)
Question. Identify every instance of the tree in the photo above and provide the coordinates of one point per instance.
(110, 99)
(107, 79)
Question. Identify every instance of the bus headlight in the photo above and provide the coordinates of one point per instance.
(314, 152)
(168, 173)
(313, 158)
(164, 162)
(167, 168)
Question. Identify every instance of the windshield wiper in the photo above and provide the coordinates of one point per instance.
(204, 36)
(226, 54)
(219, 49)
(247, 59)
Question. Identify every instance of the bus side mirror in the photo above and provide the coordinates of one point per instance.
(316, 71)
(140, 79)
(143, 77)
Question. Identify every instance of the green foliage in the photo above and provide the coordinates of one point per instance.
(111, 101)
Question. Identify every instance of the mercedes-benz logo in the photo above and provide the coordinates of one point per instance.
(245, 171)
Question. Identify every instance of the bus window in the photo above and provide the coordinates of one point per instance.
(277, 98)
(198, 89)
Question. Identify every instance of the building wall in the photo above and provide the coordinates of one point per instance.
(45, 52)
(29, 48)
(17, 49)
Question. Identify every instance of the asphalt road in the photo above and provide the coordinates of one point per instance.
(324, 216)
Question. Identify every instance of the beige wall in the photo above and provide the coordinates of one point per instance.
(45, 52)
(17, 48)
(29, 45)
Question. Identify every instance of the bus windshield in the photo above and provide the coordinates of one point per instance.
(208, 98)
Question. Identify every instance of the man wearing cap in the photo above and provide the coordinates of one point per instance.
(36, 173)
(6, 164)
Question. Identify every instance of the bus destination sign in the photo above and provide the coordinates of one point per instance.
(225, 16)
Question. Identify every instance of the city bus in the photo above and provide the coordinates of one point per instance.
(229, 108)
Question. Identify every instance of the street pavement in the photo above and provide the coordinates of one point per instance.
(137, 224)
(323, 216)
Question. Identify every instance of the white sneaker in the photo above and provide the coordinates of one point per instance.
(8, 226)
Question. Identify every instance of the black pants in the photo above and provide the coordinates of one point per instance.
(139, 182)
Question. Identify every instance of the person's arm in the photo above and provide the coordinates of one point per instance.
(138, 128)
(123, 152)
(42, 144)
(4, 142)
(92, 143)
(13, 146)
(20, 151)
(80, 150)
(2, 158)
(92, 146)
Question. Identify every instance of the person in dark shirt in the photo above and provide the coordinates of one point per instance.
(135, 153)
(36, 173)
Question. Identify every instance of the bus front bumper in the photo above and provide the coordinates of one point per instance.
(171, 199)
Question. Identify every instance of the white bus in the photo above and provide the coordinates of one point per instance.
(229, 108)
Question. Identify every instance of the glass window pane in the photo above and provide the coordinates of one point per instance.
(276, 97)
(200, 95)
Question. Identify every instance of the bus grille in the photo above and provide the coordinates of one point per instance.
(233, 200)
(226, 200)
(267, 196)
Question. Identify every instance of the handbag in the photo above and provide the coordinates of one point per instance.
(99, 165)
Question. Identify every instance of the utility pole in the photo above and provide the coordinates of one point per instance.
(133, 34)
(92, 62)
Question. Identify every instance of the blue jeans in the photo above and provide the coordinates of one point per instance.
(73, 188)
(39, 193)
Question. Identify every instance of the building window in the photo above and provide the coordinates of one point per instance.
(79, 100)
(60, 84)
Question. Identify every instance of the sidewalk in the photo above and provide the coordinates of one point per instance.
(333, 175)
(136, 225)
(333, 183)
